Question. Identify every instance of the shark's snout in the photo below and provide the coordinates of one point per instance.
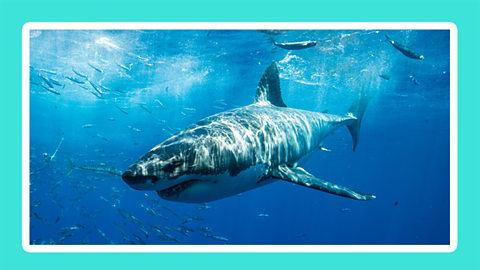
(129, 176)
(137, 180)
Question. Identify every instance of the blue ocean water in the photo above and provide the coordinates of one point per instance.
(403, 156)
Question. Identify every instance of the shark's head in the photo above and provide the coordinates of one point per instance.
(189, 167)
(163, 167)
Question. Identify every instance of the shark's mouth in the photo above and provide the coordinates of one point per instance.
(139, 182)
(176, 189)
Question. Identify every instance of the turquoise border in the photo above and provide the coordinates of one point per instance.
(14, 14)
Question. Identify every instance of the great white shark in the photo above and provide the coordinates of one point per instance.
(245, 148)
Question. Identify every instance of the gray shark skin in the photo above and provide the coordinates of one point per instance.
(238, 150)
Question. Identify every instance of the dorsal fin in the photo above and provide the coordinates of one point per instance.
(269, 87)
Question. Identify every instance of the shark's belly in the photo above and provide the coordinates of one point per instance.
(211, 188)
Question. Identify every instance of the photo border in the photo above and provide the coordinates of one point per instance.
(234, 26)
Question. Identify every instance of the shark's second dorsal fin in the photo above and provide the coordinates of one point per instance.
(269, 87)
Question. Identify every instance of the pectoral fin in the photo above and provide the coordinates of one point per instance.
(301, 177)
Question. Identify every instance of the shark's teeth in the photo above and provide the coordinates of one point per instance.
(176, 189)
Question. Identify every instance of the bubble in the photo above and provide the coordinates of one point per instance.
(35, 33)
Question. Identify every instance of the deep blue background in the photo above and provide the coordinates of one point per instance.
(402, 156)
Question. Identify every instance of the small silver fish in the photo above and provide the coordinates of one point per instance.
(96, 68)
(296, 45)
(122, 66)
(103, 138)
(146, 109)
(161, 105)
(122, 110)
(79, 74)
(406, 51)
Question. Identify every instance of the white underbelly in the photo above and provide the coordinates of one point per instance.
(215, 187)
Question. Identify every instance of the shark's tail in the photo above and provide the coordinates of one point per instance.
(271, 40)
(356, 111)
(72, 167)
(389, 40)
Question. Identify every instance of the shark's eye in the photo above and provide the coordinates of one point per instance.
(174, 163)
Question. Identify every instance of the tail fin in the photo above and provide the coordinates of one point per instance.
(388, 39)
(357, 110)
(71, 167)
(271, 40)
